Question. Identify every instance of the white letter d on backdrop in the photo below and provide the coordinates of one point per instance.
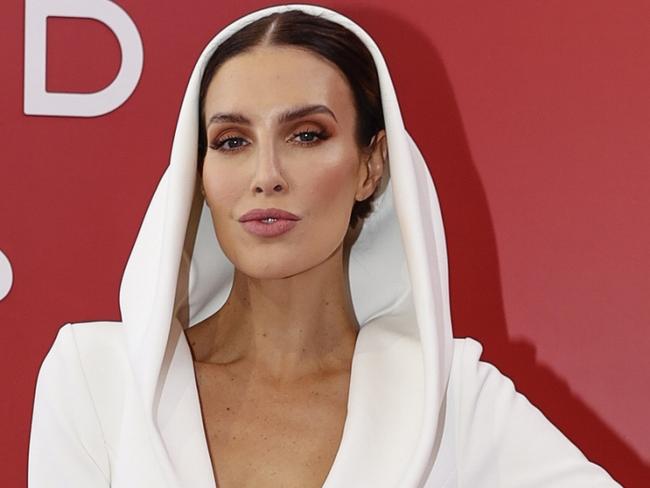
(37, 101)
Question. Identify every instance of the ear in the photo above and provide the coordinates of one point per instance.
(200, 183)
(372, 167)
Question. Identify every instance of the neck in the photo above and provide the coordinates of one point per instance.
(289, 328)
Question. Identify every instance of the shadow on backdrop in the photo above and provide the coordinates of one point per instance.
(427, 97)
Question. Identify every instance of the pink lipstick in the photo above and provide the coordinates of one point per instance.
(268, 222)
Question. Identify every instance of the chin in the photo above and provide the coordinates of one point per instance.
(266, 269)
(280, 259)
(275, 264)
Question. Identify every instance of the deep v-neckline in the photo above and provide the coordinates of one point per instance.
(384, 415)
(206, 447)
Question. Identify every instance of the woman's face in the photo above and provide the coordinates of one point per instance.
(280, 125)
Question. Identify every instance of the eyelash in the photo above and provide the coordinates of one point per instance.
(320, 136)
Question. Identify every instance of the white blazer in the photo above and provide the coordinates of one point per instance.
(117, 403)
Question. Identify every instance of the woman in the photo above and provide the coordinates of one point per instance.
(278, 330)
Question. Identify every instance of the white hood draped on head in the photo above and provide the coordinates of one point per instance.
(177, 276)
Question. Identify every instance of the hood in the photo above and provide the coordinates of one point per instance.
(177, 276)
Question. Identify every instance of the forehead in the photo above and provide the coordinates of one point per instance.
(269, 78)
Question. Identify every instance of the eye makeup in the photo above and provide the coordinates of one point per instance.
(229, 143)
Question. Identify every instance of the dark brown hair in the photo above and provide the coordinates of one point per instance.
(323, 37)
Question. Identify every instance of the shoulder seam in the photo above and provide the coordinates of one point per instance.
(92, 400)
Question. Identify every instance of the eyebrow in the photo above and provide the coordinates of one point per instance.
(287, 116)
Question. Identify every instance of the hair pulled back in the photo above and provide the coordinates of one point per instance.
(325, 38)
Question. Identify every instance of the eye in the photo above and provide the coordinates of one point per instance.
(229, 144)
(309, 137)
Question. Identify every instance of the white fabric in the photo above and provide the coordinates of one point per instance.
(117, 403)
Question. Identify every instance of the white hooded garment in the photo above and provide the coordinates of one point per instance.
(117, 402)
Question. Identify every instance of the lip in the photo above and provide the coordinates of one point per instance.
(264, 213)
(252, 222)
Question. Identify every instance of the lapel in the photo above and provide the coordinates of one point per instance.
(180, 422)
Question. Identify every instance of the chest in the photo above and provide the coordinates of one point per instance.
(268, 436)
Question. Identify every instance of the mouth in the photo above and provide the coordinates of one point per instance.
(268, 215)
(269, 222)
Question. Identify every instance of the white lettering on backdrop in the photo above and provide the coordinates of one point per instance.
(6, 275)
(38, 101)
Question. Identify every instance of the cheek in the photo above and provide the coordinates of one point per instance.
(333, 186)
(222, 188)
(222, 191)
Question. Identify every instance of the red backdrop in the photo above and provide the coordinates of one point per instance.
(534, 117)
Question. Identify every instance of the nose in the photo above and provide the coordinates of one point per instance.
(268, 177)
